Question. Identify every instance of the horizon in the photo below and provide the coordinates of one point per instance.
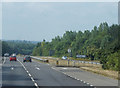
(55, 36)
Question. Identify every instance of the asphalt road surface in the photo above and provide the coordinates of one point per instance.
(35, 75)
(89, 77)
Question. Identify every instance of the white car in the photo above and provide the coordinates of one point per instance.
(6, 55)
(64, 57)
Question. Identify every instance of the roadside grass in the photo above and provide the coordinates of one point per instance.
(83, 59)
(71, 58)
(85, 66)
(38, 60)
(108, 73)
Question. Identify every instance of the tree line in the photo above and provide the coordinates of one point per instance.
(18, 47)
(101, 43)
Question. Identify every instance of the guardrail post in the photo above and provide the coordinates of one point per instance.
(68, 62)
(74, 63)
(57, 62)
(47, 61)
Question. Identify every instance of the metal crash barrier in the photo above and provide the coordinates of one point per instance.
(43, 60)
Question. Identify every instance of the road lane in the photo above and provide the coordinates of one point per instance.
(34, 74)
(44, 75)
(92, 78)
(89, 77)
(13, 74)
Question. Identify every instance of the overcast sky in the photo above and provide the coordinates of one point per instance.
(36, 21)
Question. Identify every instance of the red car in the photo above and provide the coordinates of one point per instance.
(12, 58)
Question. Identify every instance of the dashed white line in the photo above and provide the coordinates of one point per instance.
(91, 85)
(75, 78)
(64, 73)
(64, 68)
(84, 82)
(53, 68)
(29, 75)
(32, 79)
(37, 68)
(4, 60)
(71, 76)
(12, 68)
(36, 85)
(88, 83)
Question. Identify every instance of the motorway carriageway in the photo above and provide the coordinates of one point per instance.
(36, 75)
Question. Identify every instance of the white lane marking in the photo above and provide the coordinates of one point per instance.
(29, 75)
(12, 68)
(64, 68)
(36, 85)
(4, 60)
(91, 85)
(64, 73)
(88, 83)
(75, 78)
(53, 68)
(32, 79)
(25, 69)
(84, 82)
(37, 68)
(71, 76)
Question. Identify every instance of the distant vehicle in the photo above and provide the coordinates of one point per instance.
(27, 59)
(6, 55)
(64, 57)
(12, 58)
